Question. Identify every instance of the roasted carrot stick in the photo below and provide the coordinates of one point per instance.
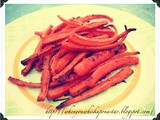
(38, 65)
(45, 78)
(57, 36)
(45, 32)
(31, 84)
(68, 77)
(23, 83)
(100, 72)
(58, 28)
(27, 68)
(70, 23)
(69, 67)
(110, 66)
(125, 54)
(93, 17)
(34, 57)
(77, 47)
(79, 88)
(97, 58)
(61, 64)
(61, 90)
(118, 78)
(92, 41)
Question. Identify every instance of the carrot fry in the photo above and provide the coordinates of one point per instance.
(61, 64)
(68, 77)
(101, 71)
(110, 66)
(77, 47)
(79, 88)
(61, 90)
(87, 64)
(61, 53)
(38, 65)
(69, 22)
(57, 36)
(77, 57)
(34, 57)
(70, 66)
(45, 32)
(23, 83)
(92, 41)
(94, 16)
(27, 68)
(45, 79)
(125, 54)
(118, 78)
(31, 84)
(58, 28)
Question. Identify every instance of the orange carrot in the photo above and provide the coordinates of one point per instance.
(61, 64)
(97, 58)
(34, 57)
(38, 65)
(23, 83)
(93, 17)
(79, 88)
(27, 68)
(125, 54)
(118, 78)
(70, 23)
(45, 32)
(110, 66)
(61, 90)
(45, 79)
(31, 84)
(77, 47)
(92, 41)
(69, 67)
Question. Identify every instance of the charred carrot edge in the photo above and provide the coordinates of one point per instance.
(29, 65)
(40, 54)
(61, 64)
(67, 77)
(97, 58)
(109, 66)
(116, 79)
(70, 66)
(27, 68)
(126, 54)
(45, 78)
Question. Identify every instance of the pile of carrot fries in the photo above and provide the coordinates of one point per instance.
(76, 59)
